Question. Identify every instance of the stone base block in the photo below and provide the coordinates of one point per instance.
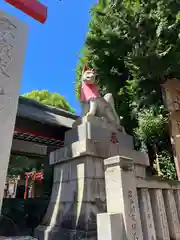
(110, 226)
(58, 233)
(99, 150)
(97, 130)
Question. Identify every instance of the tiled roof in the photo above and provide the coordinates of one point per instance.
(45, 114)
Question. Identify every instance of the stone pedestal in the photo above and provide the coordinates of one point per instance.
(78, 193)
(13, 36)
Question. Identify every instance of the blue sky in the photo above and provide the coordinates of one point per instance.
(53, 47)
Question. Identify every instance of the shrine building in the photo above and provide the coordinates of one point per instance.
(39, 129)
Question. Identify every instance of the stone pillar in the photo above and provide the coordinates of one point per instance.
(78, 193)
(121, 194)
(177, 200)
(159, 213)
(146, 213)
(172, 214)
(13, 36)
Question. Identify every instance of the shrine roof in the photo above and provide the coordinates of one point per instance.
(33, 110)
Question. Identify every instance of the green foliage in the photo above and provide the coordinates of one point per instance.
(48, 98)
(151, 126)
(136, 39)
(20, 164)
(134, 47)
(167, 166)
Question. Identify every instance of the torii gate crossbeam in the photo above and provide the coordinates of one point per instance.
(33, 8)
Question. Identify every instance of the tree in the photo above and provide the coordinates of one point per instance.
(151, 132)
(137, 38)
(134, 47)
(51, 99)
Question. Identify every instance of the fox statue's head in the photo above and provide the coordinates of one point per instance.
(88, 75)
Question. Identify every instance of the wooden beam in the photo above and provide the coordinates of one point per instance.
(28, 148)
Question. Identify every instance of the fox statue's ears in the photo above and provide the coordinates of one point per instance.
(86, 68)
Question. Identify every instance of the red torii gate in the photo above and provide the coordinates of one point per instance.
(35, 176)
(33, 8)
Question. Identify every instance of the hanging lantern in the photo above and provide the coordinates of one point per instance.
(33, 8)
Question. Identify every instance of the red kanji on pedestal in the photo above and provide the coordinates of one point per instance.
(113, 138)
(33, 8)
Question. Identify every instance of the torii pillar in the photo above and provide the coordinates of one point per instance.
(13, 38)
